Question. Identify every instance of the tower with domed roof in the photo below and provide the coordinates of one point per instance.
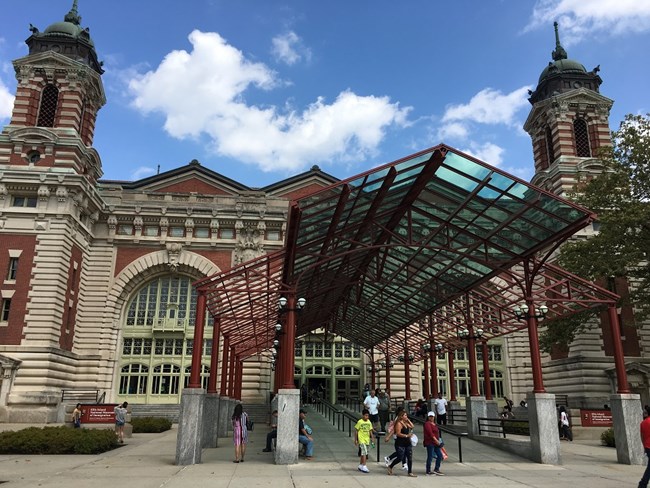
(568, 122)
(59, 94)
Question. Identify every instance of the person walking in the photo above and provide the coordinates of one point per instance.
(433, 443)
(441, 409)
(372, 405)
(390, 434)
(239, 432)
(404, 432)
(564, 424)
(76, 416)
(120, 419)
(645, 439)
(363, 437)
(384, 409)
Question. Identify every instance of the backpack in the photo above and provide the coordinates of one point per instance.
(391, 427)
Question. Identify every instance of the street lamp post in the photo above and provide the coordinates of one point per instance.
(527, 312)
(471, 335)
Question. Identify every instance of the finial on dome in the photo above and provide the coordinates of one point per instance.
(559, 52)
(73, 16)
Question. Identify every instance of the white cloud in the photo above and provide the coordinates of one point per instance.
(6, 101)
(489, 106)
(579, 19)
(289, 48)
(142, 172)
(202, 93)
(453, 131)
(487, 152)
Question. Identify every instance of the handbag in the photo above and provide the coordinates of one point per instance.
(249, 423)
(414, 440)
(308, 430)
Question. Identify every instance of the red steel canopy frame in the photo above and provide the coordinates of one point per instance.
(407, 254)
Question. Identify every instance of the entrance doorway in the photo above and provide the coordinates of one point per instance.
(319, 388)
(346, 389)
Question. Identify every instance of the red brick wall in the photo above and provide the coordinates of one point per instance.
(193, 186)
(13, 333)
(66, 339)
(301, 192)
(222, 259)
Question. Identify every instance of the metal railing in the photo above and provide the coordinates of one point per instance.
(457, 416)
(503, 426)
(79, 395)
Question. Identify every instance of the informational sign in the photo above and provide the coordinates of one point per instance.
(596, 418)
(98, 414)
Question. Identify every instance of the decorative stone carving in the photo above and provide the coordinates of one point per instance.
(3, 191)
(174, 251)
(137, 223)
(61, 193)
(112, 222)
(250, 243)
(43, 193)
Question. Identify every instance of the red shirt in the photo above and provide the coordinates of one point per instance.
(430, 431)
(645, 433)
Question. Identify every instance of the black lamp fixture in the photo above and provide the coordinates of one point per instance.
(464, 334)
(282, 304)
(427, 347)
(438, 347)
(521, 312)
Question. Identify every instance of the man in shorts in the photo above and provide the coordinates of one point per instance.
(120, 420)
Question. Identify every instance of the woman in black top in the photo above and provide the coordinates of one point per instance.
(403, 430)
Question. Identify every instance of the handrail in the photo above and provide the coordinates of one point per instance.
(339, 416)
(448, 430)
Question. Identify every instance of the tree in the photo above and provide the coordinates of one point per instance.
(620, 196)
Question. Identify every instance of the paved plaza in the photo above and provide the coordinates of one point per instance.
(147, 461)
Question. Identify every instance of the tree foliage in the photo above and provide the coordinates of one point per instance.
(620, 196)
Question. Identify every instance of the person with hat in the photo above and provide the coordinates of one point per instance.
(433, 443)
(304, 436)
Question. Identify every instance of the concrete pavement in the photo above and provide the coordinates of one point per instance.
(147, 461)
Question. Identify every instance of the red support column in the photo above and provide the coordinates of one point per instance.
(372, 371)
(433, 354)
(388, 368)
(619, 357)
(232, 373)
(214, 357)
(486, 372)
(240, 378)
(473, 370)
(287, 350)
(535, 357)
(224, 366)
(427, 380)
(199, 326)
(452, 377)
(407, 374)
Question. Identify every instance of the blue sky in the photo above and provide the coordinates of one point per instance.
(260, 90)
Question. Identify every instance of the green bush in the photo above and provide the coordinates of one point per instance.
(607, 438)
(148, 425)
(57, 440)
(516, 428)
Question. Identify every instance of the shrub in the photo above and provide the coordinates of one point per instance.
(148, 425)
(516, 428)
(57, 440)
(607, 438)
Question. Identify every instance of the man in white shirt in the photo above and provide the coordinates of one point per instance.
(441, 409)
(372, 404)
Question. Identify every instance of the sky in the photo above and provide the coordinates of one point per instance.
(261, 90)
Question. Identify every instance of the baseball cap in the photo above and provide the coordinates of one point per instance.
(431, 414)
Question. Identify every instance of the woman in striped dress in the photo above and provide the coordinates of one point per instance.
(239, 432)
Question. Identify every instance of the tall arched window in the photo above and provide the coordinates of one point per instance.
(462, 382)
(581, 134)
(205, 376)
(49, 104)
(442, 381)
(133, 379)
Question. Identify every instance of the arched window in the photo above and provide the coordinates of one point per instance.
(49, 104)
(297, 370)
(166, 303)
(205, 376)
(165, 379)
(442, 381)
(496, 382)
(347, 371)
(581, 134)
(133, 379)
(319, 370)
(550, 152)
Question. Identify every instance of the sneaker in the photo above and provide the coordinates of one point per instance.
(405, 467)
(438, 473)
(360, 467)
(387, 461)
(390, 471)
(364, 469)
(413, 475)
(429, 473)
